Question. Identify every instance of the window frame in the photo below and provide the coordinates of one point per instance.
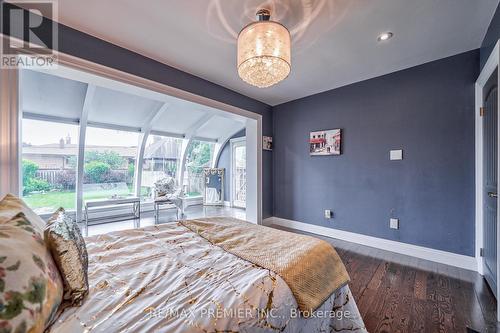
(49, 119)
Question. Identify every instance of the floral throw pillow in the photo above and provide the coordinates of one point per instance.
(30, 285)
(11, 205)
(165, 186)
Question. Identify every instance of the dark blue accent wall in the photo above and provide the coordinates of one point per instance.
(491, 38)
(428, 111)
(224, 162)
(81, 45)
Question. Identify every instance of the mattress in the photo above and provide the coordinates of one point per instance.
(166, 278)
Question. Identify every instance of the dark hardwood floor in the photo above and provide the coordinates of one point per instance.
(398, 293)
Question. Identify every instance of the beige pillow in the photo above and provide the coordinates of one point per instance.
(30, 285)
(65, 242)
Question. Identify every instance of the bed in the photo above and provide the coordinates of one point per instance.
(168, 278)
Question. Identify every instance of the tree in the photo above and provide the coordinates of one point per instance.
(199, 156)
(113, 159)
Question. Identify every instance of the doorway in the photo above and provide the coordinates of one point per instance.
(489, 112)
(238, 172)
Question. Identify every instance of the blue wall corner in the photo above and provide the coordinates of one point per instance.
(428, 111)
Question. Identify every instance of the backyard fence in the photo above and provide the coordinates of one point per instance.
(195, 183)
(50, 176)
(54, 177)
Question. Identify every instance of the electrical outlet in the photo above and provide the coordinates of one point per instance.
(328, 214)
(394, 223)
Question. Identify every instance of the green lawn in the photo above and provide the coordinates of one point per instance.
(49, 201)
(52, 200)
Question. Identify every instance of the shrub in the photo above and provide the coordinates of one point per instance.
(30, 182)
(66, 179)
(36, 185)
(29, 170)
(96, 171)
(114, 176)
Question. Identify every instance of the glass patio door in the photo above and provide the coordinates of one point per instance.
(238, 172)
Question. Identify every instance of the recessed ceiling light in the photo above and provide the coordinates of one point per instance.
(385, 36)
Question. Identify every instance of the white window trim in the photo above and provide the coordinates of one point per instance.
(188, 138)
(221, 143)
(80, 159)
(146, 130)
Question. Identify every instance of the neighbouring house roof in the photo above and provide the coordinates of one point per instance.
(72, 149)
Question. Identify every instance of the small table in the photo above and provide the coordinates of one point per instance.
(134, 201)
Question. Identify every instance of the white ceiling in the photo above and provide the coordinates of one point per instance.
(59, 94)
(334, 41)
(123, 109)
(65, 101)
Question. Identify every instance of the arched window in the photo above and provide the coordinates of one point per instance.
(161, 159)
(198, 156)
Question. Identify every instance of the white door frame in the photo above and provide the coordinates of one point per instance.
(253, 120)
(232, 143)
(490, 66)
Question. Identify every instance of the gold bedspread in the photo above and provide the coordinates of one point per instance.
(166, 279)
(311, 267)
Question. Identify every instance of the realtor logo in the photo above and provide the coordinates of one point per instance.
(30, 36)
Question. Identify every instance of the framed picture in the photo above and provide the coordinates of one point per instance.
(327, 142)
(267, 143)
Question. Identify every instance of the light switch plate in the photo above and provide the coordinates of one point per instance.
(328, 214)
(396, 155)
(394, 223)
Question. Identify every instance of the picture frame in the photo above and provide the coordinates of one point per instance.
(267, 143)
(325, 142)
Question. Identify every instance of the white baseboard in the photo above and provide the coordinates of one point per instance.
(227, 203)
(421, 252)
